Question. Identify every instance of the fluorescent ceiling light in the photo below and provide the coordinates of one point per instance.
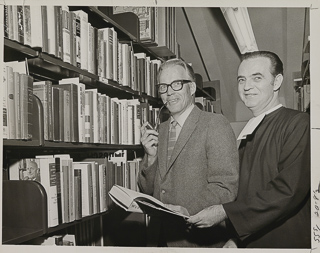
(240, 26)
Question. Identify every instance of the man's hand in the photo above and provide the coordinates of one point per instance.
(149, 140)
(179, 209)
(208, 217)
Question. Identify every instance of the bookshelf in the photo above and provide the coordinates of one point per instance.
(31, 197)
(302, 79)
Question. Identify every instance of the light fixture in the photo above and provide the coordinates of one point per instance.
(240, 26)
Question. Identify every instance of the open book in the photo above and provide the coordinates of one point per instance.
(133, 201)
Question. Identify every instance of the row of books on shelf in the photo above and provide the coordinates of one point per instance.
(76, 189)
(71, 113)
(205, 104)
(69, 36)
(302, 97)
(157, 25)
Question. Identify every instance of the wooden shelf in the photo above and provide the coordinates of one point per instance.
(21, 144)
(15, 51)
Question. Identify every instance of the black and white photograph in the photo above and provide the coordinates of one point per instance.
(160, 126)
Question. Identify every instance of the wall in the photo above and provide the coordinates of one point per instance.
(276, 29)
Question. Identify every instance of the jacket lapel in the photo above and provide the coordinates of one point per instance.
(186, 131)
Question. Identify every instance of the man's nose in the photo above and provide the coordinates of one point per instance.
(170, 90)
(247, 85)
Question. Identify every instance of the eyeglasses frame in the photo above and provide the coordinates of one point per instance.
(184, 81)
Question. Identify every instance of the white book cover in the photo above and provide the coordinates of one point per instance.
(108, 119)
(4, 93)
(123, 127)
(36, 26)
(11, 104)
(136, 120)
(130, 111)
(137, 202)
(95, 125)
(125, 64)
(103, 187)
(101, 65)
(115, 53)
(148, 81)
(15, 22)
(91, 49)
(52, 36)
(66, 34)
(48, 180)
(84, 38)
(102, 114)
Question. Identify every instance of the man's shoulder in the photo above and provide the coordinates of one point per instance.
(288, 113)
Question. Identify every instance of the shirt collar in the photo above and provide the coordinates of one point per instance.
(253, 123)
(183, 117)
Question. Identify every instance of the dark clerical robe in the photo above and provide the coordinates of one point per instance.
(272, 209)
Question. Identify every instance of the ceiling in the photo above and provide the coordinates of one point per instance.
(206, 41)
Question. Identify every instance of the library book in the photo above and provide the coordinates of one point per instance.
(133, 201)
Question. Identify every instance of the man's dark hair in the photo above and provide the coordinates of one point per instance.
(276, 63)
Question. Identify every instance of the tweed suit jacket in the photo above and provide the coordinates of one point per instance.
(203, 170)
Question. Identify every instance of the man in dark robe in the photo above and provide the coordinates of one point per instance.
(272, 209)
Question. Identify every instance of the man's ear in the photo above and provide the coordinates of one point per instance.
(193, 87)
(277, 82)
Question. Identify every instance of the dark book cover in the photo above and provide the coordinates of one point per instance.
(77, 194)
(58, 184)
(74, 122)
(45, 47)
(56, 112)
(58, 21)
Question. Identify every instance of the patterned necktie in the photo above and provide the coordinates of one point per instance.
(172, 139)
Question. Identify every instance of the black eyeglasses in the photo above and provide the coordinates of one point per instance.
(175, 85)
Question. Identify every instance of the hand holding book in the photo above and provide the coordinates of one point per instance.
(138, 202)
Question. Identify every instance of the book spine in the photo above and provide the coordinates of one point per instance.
(24, 100)
(88, 119)
(44, 14)
(56, 109)
(67, 116)
(59, 31)
(20, 24)
(109, 54)
(58, 185)
(100, 54)
(36, 25)
(73, 38)
(5, 133)
(11, 104)
(16, 80)
(78, 42)
(27, 25)
(6, 21)
(52, 34)
(77, 194)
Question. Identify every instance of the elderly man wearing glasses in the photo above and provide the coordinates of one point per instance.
(190, 164)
